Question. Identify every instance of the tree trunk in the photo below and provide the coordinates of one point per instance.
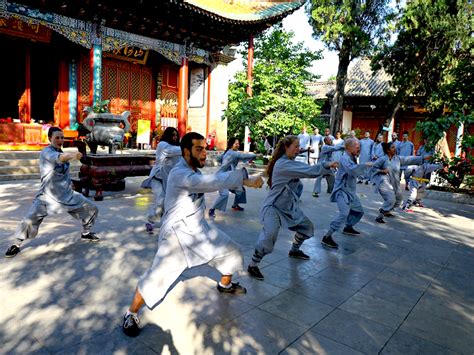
(338, 99)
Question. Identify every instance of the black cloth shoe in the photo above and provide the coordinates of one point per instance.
(234, 289)
(298, 255)
(12, 251)
(350, 230)
(386, 213)
(237, 208)
(379, 220)
(254, 272)
(90, 237)
(130, 325)
(329, 242)
(212, 213)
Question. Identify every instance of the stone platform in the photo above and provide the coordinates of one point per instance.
(405, 287)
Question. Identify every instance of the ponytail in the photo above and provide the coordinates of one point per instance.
(285, 142)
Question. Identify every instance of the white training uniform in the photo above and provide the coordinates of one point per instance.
(167, 155)
(304, 144)
(316, 140)
(186, 239)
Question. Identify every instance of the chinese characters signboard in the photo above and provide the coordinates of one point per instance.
(131, 54)
(30, 30)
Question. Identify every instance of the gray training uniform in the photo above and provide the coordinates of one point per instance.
(167, 155)
(54, 196)
(417, 176)
(344, 193)
(281, 206)
(326, 156)
(230, 160)
(186, 239)
(366, 145)
(388, 185)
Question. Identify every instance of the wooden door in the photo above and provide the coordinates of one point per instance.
(169, 96)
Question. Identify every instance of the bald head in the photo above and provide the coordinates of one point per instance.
(352, 146)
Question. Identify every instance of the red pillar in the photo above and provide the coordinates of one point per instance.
(250, 66)
(183, 97)
(63, 94)
(27, 112)
(208, 113)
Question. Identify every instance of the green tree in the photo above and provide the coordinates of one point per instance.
(279, 104)
(431, 61)
(352, 28)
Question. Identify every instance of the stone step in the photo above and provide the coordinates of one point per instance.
(19, 155)
(28, 170)
(9, 177)
(19, 162)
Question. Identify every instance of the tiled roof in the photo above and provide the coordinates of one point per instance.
(246, 10)
(320, 89)
(361, 81)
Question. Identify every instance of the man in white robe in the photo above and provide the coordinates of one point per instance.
(186, 239)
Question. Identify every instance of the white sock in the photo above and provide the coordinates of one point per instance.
(132, 313)
(225, 286)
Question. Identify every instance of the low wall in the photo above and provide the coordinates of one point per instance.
(450, 197)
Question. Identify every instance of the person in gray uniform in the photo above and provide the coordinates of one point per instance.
(366, 145)
(418, 179)
(186, 240)
(344, 193)
(282, 204)
(377, 149)
(230, 160)
(405, 149)
(55, 195)
(168, 153)
(386, 176)
(327, 151)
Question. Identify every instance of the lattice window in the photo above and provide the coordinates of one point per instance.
(135, 89)
(84, 87)
(112, 90)
(123, 98)
(146, 93)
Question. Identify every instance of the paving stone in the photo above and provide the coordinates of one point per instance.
(446, 333)
(403, 343)
(323, 291)
(314, 343)
(345, 277)
(377, 309)
(301, 310)
(354, 331)
(256, 332)
(116, 343)
(391, 292)
(62, 295)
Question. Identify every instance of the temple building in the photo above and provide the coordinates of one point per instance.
(164, 61)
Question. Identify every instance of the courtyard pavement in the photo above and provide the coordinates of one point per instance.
(406, 287)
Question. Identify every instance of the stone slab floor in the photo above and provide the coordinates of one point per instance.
(406, 287)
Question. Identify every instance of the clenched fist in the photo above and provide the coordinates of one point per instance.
(254, 182)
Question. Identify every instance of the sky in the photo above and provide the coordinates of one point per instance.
(298, 23)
